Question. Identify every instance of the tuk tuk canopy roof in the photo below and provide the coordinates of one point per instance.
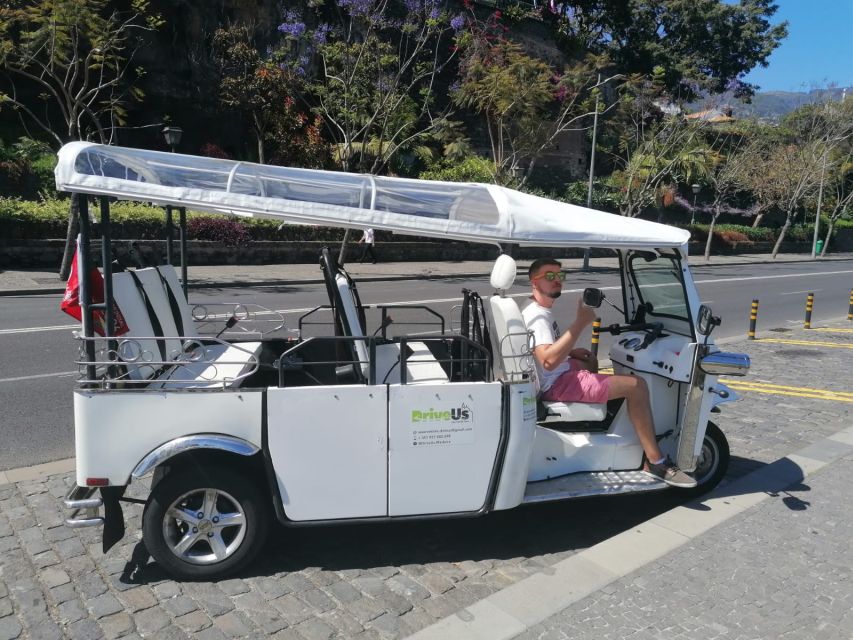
(474, 212)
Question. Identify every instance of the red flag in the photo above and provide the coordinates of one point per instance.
(71, 301)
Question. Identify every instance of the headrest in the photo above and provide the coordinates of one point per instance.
(503, 273)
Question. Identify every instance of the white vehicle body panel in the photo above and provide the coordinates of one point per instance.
(443, 440)
(114, 430)
(522, 431)
(328, 447)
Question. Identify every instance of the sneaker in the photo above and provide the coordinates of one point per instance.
(671, 474)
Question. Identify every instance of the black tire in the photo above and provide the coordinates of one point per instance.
(713, 463)
(202, 547)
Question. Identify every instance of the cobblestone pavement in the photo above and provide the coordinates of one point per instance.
(782, 570)
(387, 581)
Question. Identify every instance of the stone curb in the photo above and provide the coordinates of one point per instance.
(519, 607)
(36, 472)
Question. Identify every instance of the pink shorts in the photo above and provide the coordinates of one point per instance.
(579, 386)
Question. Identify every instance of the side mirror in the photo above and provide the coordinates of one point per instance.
(707, 321)
(593, 297)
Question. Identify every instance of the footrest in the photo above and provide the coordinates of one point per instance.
(591, 483)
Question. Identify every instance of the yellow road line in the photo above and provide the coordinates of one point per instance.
(810, 343)
(781, 387)
(778, 392)
(830, 330)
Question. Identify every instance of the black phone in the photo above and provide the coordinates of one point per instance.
(593, 297)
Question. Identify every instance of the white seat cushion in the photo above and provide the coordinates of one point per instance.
(221, 364)
(574, 411)
(421, 365)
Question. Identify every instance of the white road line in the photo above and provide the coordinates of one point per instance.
(457, 299)
(791, 293)
(60, 374)
(58, 327)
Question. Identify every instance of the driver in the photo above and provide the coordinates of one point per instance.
(568, 374)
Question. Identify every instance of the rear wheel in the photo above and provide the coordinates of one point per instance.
(203, 523)
(713, 460)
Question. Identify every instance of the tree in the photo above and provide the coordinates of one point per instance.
(527, 104)
(265, 92)
(371, 74)
(703, 45)
(811, 135)
(734, 154)
(665, 153)
(69, 70)
(841, 200)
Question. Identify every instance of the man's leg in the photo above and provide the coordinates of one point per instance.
(636, 394)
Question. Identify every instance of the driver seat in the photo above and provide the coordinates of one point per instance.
(513, 349)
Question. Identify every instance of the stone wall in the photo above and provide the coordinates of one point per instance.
(35, 254)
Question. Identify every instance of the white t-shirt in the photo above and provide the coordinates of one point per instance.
(540, 321)
(367, 238)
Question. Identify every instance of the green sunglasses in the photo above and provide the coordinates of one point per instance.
(550, 276)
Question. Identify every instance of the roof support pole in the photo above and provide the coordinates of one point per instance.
(107, 262)
(182, 221)
(170, 232)
(84, 267)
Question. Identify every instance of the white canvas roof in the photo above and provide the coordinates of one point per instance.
(463, 211)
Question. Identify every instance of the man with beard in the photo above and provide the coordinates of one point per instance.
(569, 374)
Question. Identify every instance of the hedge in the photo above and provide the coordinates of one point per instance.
(29, 220)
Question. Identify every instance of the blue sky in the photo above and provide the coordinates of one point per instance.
(817, 51)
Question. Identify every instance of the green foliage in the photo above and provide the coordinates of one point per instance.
(691, 46)
(471, 169)
(27, 220)
(71, 59)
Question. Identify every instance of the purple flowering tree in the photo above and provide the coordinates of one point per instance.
(371, 72)
(527, 104)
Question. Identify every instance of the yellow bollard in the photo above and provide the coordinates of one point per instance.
(753, 318)
(809, 306)
(596, 326)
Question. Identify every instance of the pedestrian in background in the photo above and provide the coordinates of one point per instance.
(369, 242)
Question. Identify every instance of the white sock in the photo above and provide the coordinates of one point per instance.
(661, 461)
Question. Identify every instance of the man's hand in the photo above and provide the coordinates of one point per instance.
(580, 353)
(585, 314)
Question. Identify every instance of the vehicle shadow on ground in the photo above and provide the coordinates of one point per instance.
(544, 533)
(536, 531)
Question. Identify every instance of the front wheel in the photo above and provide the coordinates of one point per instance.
(713, 460)
(204, 523)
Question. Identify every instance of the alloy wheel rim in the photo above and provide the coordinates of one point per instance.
(204, 526)
(709, 458)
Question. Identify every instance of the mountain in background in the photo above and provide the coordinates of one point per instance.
(773, 105)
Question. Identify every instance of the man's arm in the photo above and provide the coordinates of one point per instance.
(550, 356)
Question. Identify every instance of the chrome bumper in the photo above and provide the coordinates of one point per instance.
(85, 509)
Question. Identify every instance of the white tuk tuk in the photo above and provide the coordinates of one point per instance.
(354, 426)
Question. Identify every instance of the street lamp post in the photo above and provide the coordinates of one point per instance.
(173, 139)
(173, 136)
(696, 188)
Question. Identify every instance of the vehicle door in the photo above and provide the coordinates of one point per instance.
(328, 446)
(443, 442)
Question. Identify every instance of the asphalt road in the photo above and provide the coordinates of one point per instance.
(37, 352)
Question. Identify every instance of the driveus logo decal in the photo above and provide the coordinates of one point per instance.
(442, 426)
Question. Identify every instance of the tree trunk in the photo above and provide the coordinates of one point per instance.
(781, 237)
(71, 236)
(757, 220)
(342, 255)
(828, 235)
(714, 217)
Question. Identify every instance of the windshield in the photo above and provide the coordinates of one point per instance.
(659, 285)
